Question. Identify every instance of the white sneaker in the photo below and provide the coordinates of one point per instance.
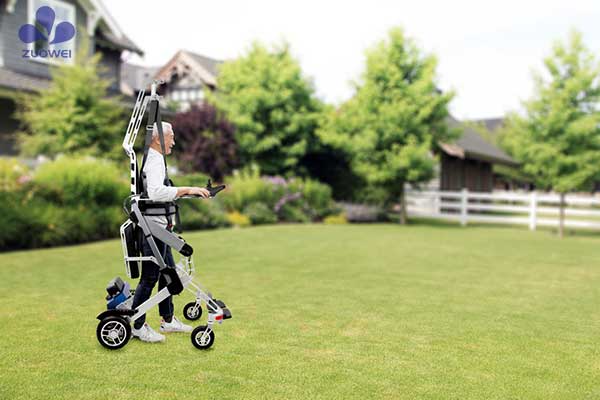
(174, 326)
(147, 334)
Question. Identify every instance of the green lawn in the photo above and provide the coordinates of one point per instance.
(331, 312)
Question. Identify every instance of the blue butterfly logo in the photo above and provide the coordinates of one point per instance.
(44, 17)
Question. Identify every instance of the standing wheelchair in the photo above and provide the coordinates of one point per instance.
(114, 329)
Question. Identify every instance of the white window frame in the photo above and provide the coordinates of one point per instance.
(72, 43)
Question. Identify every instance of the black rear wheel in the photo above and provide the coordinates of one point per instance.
(113, 332)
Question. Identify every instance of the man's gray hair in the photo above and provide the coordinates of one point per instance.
(166, 127)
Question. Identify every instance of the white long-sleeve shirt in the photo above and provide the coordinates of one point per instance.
(155, 186)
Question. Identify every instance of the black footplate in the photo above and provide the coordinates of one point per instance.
(220, 303)
(226, 313)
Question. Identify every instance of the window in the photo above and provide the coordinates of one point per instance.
(63, 12)
(176, 95)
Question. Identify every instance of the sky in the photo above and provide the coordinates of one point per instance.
(486, 50)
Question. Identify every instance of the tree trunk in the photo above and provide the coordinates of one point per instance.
(561, 225)
(402, 206)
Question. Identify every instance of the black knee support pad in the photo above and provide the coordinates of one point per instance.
(173, 282)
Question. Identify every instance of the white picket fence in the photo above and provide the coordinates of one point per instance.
(532, 209)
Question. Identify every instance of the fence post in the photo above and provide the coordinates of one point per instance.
(532, 210)
(464, 197)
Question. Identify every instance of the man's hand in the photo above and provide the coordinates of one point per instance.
(198, 191)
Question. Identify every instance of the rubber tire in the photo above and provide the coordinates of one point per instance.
(189, 306)
(107, 320)
(198, 332)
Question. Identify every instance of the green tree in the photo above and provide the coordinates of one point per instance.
(394, 120)
(273, 107)
(74, 115)
(557, 140)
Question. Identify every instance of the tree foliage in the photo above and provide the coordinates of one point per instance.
(394, 120)
(557, 140)
(208, 139)
(74, 115)
(272, 106)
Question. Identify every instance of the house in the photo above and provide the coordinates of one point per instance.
(505, 176)
(135, 78)
(469, 162)
(25, 67)
(187, 77)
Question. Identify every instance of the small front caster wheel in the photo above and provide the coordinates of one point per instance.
(113, 332)
(192, 311)
(201, 339)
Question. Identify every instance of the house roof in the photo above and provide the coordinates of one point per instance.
(210, 64)
(136, 77)
(111, 31)
(20, 81)
(205, 68)
(491, 124)
(109, 39)
(471, 145)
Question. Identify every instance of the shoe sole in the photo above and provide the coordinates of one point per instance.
(148, 341)
(174, 330)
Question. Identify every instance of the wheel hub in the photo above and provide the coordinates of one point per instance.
(203, 338)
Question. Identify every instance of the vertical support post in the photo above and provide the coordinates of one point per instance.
(532, 210)
(464, 198)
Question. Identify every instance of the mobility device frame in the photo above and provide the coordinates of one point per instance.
(114, 328)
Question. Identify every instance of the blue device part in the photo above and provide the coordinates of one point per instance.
(113, 302)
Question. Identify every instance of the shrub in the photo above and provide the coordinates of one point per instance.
(260, 213)
(195, 179)
(67, 225)
(311, 198)
(72, 181)
(20, 227)
(70, 200)
(293, 213)
(34, 222)
(247, 187)
(335, 219)
(12, 174)
(237, 219)
(201, 214)
(317, 195)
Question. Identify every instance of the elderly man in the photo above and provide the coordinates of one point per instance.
(158, 191)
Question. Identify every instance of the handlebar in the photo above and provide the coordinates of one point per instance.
(213, 190)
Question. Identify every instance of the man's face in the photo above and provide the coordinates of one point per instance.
(169, 141)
